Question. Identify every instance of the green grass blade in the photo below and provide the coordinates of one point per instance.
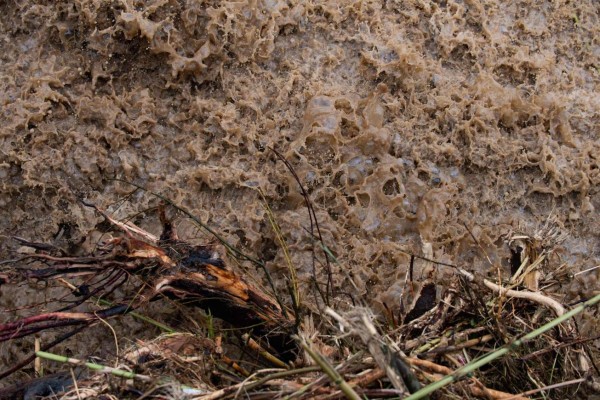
(478, 363)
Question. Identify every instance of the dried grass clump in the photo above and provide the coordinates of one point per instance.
(466, 337)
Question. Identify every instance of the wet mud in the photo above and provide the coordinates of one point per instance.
(440, 128)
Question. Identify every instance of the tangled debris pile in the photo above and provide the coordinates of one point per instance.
(392, 358)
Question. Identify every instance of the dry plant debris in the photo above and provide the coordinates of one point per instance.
(436, 334)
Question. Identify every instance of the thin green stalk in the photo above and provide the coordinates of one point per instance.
(478, 363)
(154, 322)
(284, 247)
(329, 254)
(132, 313)
(144, 318)
(93, 366)
(113, 371)
(211, 325)
(304, 389)
(330, 371)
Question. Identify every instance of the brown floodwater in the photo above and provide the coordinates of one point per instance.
(441, 128)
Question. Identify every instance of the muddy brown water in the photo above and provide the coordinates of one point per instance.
(410, 123)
